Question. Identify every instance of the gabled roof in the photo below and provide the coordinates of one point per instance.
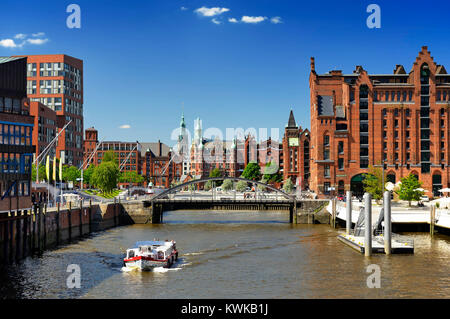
(153, 147)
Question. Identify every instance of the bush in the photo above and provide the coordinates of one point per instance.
(208, 186)
(241, 186)
(288, 186)
(227, 185)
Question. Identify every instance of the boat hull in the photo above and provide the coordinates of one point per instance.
(146, 263)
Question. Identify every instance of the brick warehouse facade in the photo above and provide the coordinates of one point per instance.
(399, 121)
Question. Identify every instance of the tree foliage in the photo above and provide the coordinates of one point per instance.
(408, 189)
(216, 173)
(42, 175)
(106, 176)
(208, 186)
(373, 182)
(241, 186)
(130, 176)
(87, 174)
(71, 173)
(109, 156)
(227, 185)
(288, 186)
(272, 173)
(252, 171)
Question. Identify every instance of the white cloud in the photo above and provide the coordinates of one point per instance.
(20, 36)
(210, 12)
(183, 8)
(276, 20)
(232, 20)
(125, 126)
(39, 34)
(8, 43)
(37, 41)
(247, 19)
(215, 21)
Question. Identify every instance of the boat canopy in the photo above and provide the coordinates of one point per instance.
(150, 243)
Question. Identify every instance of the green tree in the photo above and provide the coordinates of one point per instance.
(272, 173)
(109, 156)
(216, 173)
(241, 186)
(252, 171)
(87, 174)
(42, 175)
(408, 189)
(227, 185)
(71, 173)
(264, 181)
(288, 186)
(131, 176)
(106, 176)
(208, 186)
(373, 182)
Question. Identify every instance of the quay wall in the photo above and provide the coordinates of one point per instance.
(28, 232)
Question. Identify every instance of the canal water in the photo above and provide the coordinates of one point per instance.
(233, 255)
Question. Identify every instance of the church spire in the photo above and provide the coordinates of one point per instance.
(291, 122)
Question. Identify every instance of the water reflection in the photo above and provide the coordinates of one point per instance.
(233, 255)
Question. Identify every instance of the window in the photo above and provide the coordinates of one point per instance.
(396, 112)
(326, 140)
(326, 154)
(407, 123)
(326, 171)
(340, 147)
(384, 145)
(407, 112)
(384, 112)
(341, 163)
(396, 123)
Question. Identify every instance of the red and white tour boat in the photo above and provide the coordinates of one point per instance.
(146, 255)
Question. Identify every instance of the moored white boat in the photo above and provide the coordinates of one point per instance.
(146, 255)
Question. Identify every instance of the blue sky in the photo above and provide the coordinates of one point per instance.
(144, 59)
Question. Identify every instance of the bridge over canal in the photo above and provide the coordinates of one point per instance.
(278, 200)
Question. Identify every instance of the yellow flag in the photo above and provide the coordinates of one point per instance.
(61, 160)
(54, 169)
(47, 168)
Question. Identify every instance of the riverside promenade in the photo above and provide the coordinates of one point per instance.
(401, 216)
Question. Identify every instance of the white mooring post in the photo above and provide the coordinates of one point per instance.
(349, 212)
(368, 225)
(387, 223)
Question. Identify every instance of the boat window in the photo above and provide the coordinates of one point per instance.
(131, 254)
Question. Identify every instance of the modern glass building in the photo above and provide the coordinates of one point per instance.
(16, 127)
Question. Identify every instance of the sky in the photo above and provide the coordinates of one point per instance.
(237, 63)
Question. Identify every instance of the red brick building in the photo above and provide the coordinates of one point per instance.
(399, 121)
(158, 166)
(295, 148)
(128, 154)
(46, 124)
(56, 81)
